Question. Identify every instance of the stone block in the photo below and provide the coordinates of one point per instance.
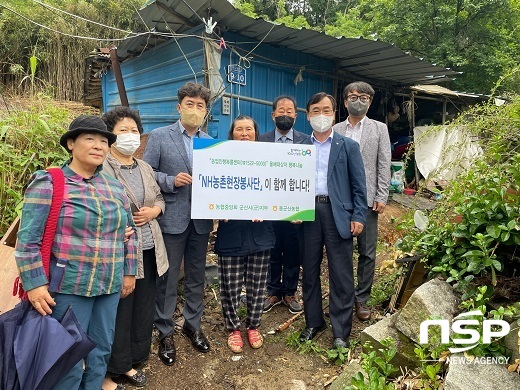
(344, 379)
(478, 375)
(211, 274)
(512, 341)
(434, 299)
(405, 356)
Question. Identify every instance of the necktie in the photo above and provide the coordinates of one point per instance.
(283, 138)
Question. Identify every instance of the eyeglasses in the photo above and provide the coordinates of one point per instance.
(363, 98)
(325, 111)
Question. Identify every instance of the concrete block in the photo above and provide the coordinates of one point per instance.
(434, 299)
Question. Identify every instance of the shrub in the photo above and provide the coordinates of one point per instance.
(29, 141)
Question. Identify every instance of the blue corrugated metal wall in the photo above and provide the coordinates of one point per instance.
(271, 74)
(152, 80)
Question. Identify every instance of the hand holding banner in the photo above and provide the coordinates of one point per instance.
(252, 180)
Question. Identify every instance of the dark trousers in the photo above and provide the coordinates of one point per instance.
(321, 232)
(367, 245)
(284, 266)
(134, 321)
(192, 246)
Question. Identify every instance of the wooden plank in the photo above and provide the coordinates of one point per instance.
(8, 272)
(415, 202)
(8, 269)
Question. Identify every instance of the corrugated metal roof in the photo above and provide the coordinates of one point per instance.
(438, 90)
(359, 57)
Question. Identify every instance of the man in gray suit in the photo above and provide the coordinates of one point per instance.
(169, 151)
(374, 142)
(284, 265)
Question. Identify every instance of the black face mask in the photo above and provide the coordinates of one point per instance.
(284, 122)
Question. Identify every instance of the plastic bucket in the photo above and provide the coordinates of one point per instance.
(396, 165)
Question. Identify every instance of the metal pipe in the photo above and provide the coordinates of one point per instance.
(439, 99)
(119, 76)
(444, 108)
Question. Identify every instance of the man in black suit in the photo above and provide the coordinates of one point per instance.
(284, 266)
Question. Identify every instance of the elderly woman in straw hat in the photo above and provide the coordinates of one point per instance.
(91, 264)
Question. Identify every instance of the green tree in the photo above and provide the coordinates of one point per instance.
(478, 37)
(59, 58)
(294, 22)
(481, 38)
(346, 24)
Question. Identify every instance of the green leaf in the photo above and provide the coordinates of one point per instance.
(473, 267)
(33, 62)
(3, 131)
(44, 124)
(431, 371)
(493, 230)
(473, 253)
(497, 264)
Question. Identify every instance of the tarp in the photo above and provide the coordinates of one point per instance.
(443, 153)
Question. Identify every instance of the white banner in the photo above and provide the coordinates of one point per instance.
(252, 180)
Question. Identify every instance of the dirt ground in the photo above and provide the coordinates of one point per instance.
(272, 367)
(275, 365)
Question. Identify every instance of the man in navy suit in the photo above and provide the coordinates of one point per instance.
(169, 150)
(284, 265)
(341, 208)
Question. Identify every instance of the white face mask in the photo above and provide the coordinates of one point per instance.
(127, 143)
(321, 123)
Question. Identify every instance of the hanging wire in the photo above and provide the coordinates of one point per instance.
(59, 32)
(131, 34)
(147, 28)
(79, 17)
(180, 48)
(198, 16)
(259, 43)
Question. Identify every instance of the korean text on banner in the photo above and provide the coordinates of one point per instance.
(252, 180)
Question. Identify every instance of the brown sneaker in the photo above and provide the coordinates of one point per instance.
(270, 302)
(362, 311)
(292, 303)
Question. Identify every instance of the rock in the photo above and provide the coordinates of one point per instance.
(478, 375)
(211, 274)
(297, 384)
(345, 377)
(405, 356)
(512, 341)
(434, 299)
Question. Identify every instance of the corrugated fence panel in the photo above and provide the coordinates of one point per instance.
(271, 73)
(152, 80)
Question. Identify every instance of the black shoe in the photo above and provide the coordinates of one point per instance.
(310, 333)
(137, 380)
(340, 343)
(167, 351)
(198, 340)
